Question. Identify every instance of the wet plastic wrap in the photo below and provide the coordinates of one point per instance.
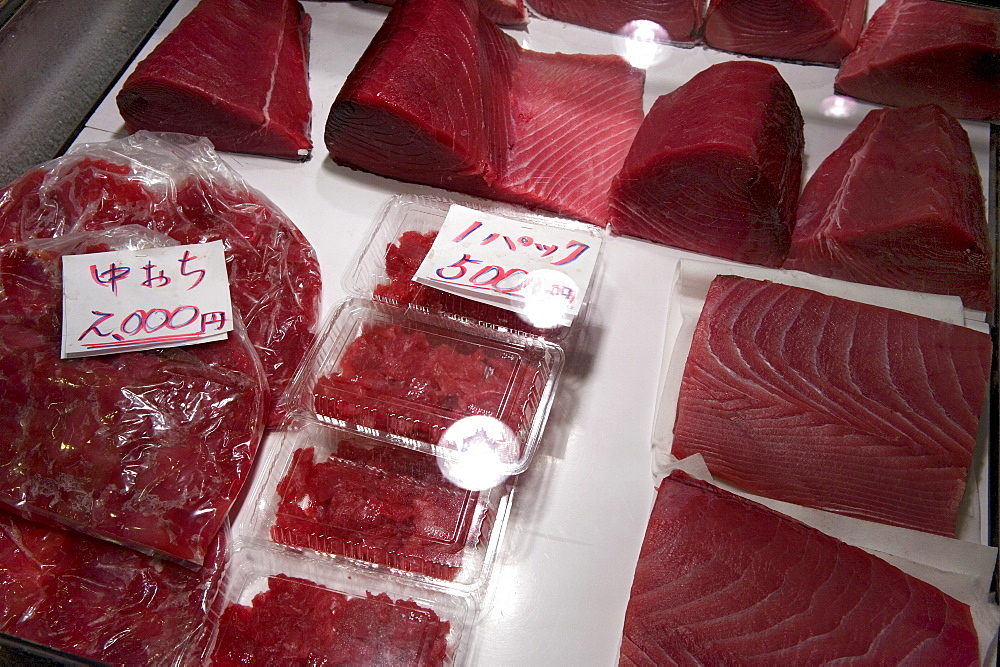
(148, 449)
(104, 602)
(177, 185)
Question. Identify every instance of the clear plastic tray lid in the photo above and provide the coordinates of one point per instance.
(407, 226)
(476, 398)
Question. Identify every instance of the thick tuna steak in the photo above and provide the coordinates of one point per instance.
(234, 71)
(928, 52)
(722, 580)
(444, 98)
(680, 20)
(899, 204)
(716, 166)
(104, 602)
(813, 31)
(833, 404)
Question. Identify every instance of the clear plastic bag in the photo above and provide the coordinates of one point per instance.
(147, 449)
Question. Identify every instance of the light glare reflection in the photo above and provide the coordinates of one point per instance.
(642, 43)
(481, 452)
(549, 296)
(838, 106)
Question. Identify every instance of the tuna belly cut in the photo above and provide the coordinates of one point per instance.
(234, 71)
(679, 20)
(899, 204)
(715, 167)
(722, 580)
(833, 404)
(442, 97)
(814, 31)
(920, 52)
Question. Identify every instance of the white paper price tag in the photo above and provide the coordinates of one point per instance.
(129, 300)
(539, 271)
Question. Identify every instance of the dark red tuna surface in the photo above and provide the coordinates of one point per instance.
(680, 20)
(716, 167)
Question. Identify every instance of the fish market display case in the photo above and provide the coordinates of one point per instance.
(536, 570)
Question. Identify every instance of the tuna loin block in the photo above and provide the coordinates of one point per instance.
(833, 404)
(722, 580)
(444, 98)
(816, 31)
(716, 167)
(922, 52)
(680, 20)
(899, 204)
(234, 71)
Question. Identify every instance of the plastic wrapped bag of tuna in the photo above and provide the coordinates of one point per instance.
(177, 185)
(145, 448)
(104, 602)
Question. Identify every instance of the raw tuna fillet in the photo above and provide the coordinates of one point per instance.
(444, 98)
(928, 52)
(382, 504)
(297, 622)
(180, 187)
(812, 31)
(104, 602)
(501, 12)
(833, 404)
(899, 204)
(416, 384)
(722, 580)
(147, 449)
(680, 20)
(235, 71)
(716, 167)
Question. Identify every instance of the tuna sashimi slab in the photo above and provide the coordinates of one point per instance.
(928, 52)
(812, 31)
(147, 449)
(833, 404)
(679, 20)
(722, 580)
(716, 166)
(235, 71)
(179, 186)
(104, 602)
(442, 97)
(296, 621)
(899, 204)
(382, 504)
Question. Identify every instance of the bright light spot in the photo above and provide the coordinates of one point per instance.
(479, 452)
(837, 106)
(642, 43)
(548, 299)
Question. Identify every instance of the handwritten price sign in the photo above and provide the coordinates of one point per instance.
(130, 300)
(538, 270)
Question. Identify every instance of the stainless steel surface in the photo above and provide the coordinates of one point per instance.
(57, 60)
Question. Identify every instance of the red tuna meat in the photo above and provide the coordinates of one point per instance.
(235, 71)
(444, 98)
(928, 52)
(501, 12)
(297, 622)
(188, 193)
(722, 580)
(833, 404)
(899, 204)
(416, 385)
(716, 166)
(812, 31)
(104, 602)
(148, 449)
(382, 504)
(680, 20)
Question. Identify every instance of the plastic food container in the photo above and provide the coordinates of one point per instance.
(475, 397)
(293, 610)
(334, 493)
(400, 237)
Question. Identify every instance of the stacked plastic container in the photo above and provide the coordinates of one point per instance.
(409, 422)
